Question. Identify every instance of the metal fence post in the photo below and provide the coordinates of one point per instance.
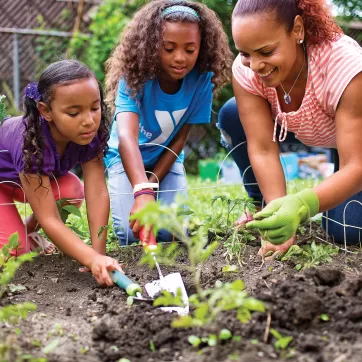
(16, 70)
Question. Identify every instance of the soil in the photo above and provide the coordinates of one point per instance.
(89, 323)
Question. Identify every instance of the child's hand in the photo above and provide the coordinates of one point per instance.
(101, 266)
(139, 203)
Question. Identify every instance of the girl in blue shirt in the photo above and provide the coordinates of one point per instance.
(161, 77)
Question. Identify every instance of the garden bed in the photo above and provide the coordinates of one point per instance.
(320, 309)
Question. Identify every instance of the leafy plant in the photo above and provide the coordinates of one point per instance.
(208, 304)
(211, 340)
(310, 256)
(282, 342)
(237, 206)
(13, 313)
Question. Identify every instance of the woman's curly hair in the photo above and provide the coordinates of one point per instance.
(136, 56)
(318, 23)
(59, 73)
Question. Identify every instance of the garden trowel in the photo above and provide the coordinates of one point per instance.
(171, 282)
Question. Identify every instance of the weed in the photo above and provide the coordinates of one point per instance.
(282, 342)
(310, 256)
(208, 304)
(152, 346)
(11, 314)
(211, 340)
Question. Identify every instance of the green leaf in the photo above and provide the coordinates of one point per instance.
(182, 322)
(283, 343)
(225, 334)
(275, 333)
(254, 305)
(212, 340)
(152, 346)
(72, 210)
(202, 311)
(324, 317)
(230, 269)
(194, 340)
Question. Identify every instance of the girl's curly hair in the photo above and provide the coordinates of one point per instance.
(318, 23)
(136, 56)
(59, 73)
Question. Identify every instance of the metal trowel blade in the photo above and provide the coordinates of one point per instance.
(174, 282)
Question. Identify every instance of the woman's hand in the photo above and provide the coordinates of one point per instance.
(279, 220)
(100, 267)
(139, 203)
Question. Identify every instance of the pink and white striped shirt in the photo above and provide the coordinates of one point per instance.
(332, 66)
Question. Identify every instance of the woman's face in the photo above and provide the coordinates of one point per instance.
(266, 47)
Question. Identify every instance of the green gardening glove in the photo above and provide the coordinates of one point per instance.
(279, 220)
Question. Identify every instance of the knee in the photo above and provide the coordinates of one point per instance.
(229, 124)
(228, 116)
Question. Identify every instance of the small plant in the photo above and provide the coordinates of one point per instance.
(211, 340)
(282, 342)
(222, 221)
(208, 304)
(10, 315)
(310, 256)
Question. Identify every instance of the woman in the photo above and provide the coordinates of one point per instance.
(295, 69)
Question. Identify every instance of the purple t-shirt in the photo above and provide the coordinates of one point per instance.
(11, 155)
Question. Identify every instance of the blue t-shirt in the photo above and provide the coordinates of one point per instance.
(162, 115)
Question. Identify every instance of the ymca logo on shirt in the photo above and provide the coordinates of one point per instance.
(167, 122)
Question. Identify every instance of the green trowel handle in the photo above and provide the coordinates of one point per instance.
(124, 283)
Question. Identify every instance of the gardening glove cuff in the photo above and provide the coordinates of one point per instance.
(310, 200)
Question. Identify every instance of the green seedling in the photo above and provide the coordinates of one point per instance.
(324, 317)
(152, 346)
(84, 350)
(310, 256)
(282, 342)
(169, 299)
(208, 304)
(211, 340)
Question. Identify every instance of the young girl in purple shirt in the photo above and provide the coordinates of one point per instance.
(64, 124)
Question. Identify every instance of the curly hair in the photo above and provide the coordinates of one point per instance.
(318, 23)
(59, 73)
(136, 56)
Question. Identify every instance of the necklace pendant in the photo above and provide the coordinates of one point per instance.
(287, 98)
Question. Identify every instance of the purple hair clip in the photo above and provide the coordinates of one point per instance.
(31, 91)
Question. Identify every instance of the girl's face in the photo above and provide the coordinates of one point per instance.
(180, 50)
(267, 48)
(75, 113)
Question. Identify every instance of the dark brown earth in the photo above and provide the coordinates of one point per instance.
(95, 324)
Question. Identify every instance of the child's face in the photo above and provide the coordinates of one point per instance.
(180, 49)
(266, 47)
(75, 112)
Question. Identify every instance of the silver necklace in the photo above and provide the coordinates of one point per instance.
(287, 97)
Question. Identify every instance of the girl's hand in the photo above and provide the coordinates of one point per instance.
(100, 267)
(139, 203)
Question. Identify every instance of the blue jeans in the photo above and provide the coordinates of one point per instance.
(232, 134)
(121, 194)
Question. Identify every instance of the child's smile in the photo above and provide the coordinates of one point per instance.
(179, 53)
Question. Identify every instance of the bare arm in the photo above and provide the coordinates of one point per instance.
(128, 132)
(348, 180)
(97, 201)
(256, 119)
(43, 204)
(168, 158)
